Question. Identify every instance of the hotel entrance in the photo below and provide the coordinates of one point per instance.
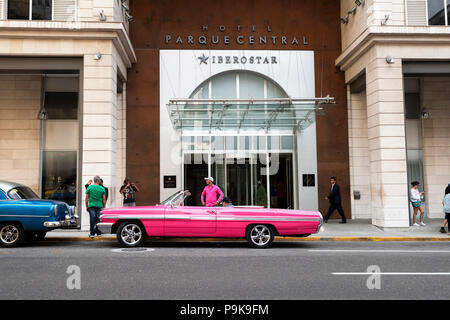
(249, 177)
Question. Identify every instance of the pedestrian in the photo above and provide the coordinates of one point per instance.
(210, 193)
(446, 204)
(101, 183)
(95, 201)
(128, 190)
(415, 197)
(335, 201)
(226, 202)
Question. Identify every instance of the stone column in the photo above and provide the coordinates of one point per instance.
(359, 155)
(386, 135)
(99, 144)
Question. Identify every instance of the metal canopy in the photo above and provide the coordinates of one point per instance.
(236, 115)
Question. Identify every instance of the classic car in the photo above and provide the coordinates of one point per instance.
(133, 225)
(24, 216)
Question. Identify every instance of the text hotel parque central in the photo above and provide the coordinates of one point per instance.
(261, 39)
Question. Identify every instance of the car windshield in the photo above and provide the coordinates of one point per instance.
(177, 198)
(22, 193)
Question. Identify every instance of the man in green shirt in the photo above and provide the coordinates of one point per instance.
(95, 201)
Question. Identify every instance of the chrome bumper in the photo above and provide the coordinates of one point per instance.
(69, 222)
(104, 227)
(320, 224)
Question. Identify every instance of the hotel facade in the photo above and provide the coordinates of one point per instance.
(270, 98)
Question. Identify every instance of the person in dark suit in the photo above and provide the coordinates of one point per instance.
(335, 201)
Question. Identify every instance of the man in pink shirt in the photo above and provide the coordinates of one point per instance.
(209, 194)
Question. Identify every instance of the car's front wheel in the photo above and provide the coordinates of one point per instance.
(11, 234)
(260, 236)
(131, 234)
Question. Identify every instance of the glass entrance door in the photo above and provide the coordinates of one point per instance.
(242, 178)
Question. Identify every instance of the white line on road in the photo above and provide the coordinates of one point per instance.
(391, 273)
(381, 251)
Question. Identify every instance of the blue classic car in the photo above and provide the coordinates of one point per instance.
(26, 217)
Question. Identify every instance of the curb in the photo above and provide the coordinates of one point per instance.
(291, 239)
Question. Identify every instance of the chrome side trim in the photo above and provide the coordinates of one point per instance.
(264, 219)
(212, 218)
(22, 216)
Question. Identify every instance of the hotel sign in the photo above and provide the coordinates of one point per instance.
(262, 36)
(237, 60)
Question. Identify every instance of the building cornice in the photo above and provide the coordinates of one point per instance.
(391, 34)
(86, 30)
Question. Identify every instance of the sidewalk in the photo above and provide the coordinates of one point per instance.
(353, 230)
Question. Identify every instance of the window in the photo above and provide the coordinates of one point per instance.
(61, 105)
(30, 9)
(59, 176)
(22, 192)
(438, 12)
(412, 105)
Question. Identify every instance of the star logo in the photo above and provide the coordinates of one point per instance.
(203, 59)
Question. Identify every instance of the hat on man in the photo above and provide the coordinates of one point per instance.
(210, 178)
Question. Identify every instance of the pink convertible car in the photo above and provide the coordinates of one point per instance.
(133, 225)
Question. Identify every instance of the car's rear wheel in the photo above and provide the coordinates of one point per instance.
(131, 234)
(260, 235)
(11, 234)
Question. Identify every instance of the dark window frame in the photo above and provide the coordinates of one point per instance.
(32, 10)
(445, 12)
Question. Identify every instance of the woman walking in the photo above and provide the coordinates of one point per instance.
(416, 201)
(446, 204)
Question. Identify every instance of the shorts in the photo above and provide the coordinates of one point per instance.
(416, 204)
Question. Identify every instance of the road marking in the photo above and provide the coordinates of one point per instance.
(132, 250)
(380, 251)
(391, 273)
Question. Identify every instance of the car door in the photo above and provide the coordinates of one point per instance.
(184, 221)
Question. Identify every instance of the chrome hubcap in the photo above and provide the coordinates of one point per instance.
(260, 235)
(9, 234)
(131, 234)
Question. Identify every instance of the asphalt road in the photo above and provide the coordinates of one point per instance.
(227, 270)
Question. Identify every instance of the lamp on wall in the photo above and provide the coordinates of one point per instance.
(352, 10)
(344, 20)
(97, 56)
(102, 15)
(129, 17)
(390, 60)
(42, 115)
(424, 113)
